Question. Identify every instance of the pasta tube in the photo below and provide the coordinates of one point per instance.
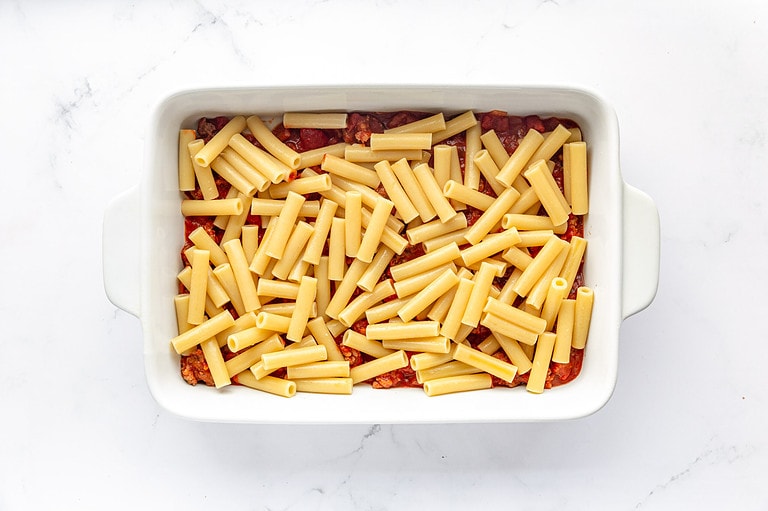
(361, 343)
(430, 124)
(349, 170)
(541, 360)
(550, 145)
(353, 222)
(460, 383)
(304, 301)
(400, 141)
(582, 313)
(517, 316)
(277, 386)
(434, 194)
(572, 263)
(232, 176)
(500, 325)
(461, 193)
(363, 154)
(314, 248)
(395, 191)
(291, 357)
(193, 207)
(422, 361)
(538, 266)
(302, 186)
(250, 240)
(325, 385)
(520, 157)
(492, 244)
(245, 169)
(273, 322)
(385, 311)
(514, 352)
(336, 249)
(548, 192)
(277, 289)
(374, 230)
(492, 216)
(484, 362)
(252, 355)
(319, 330)
(273, 207)
(455, 126)
(425, 262)
(203, 331)
(429, 294)
(357, 307)
(378, 366)
(480, 291)
(346, 288)
(495, 148)
(198, 286)
(412, 285)
(457, 237)
(517, 257)
(204, 176)
(271, 143)
(557, 292)
(413, 189)
(323, 295)
(564, 333)
(213, 148)
(402, 330)
(314, 157)
(315, 120)
(373, 273)
(248, 337)
(260, 261)
(438, 344)
(435, 228)
(243, 276)
(487, 167)
(275, 246)
(226, 278)
(293, 249)
(263, 162)
(324, 369)
(448, 369)
(473, 145)
(535, 238)
(215, 361)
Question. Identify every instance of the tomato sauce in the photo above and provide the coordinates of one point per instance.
(360, 125)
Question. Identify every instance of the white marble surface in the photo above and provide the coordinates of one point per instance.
(687, 425)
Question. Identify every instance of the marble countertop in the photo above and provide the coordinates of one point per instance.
(687, 425)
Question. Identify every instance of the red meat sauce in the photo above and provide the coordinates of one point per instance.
(360, 125)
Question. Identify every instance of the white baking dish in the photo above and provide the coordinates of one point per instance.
(143, 231)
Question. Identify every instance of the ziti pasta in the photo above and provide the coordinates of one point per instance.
(325, 250)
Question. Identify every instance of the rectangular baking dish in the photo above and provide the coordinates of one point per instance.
(143, 229)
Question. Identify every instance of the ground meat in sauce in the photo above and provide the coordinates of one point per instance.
(208, 127)
(194, 368)
(405, 377)
(360, 126)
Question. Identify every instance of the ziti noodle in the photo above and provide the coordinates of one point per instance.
(399, 249)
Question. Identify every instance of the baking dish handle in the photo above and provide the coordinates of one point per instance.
(120, 251)
(641, 251)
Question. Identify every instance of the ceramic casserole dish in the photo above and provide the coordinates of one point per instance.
(143, 233)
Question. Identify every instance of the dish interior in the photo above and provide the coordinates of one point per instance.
(162, 231)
